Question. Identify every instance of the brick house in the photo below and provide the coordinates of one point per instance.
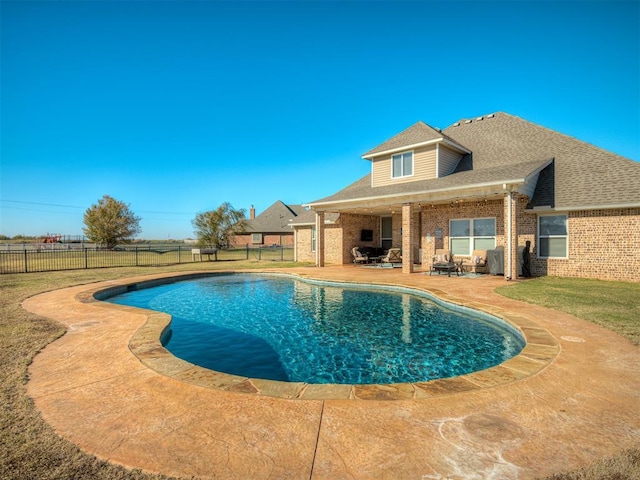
(490, 182)
(271, 227)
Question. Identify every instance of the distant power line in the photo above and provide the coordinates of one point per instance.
(38, 203)
(75, 206)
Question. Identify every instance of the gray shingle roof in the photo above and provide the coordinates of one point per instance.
(505, 147)
(583, 174)
(309, 217)
(274, 219)
(416, 134)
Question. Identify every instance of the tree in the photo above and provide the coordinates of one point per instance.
(110, 222)
(214, 228)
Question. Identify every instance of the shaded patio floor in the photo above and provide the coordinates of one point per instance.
(573, 398)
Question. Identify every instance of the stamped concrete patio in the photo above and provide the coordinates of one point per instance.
(572, 396)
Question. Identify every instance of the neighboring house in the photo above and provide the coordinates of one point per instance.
(492, 181)
(271, 227)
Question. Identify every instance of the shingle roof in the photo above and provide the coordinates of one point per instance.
(582, 174)
(274, 219)
(362, 188)
(505, 147)
(416, 134)
(308, 217)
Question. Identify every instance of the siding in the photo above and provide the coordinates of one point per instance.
(448, 160)
(424, 167)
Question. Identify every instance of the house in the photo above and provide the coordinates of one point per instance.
(271, 227)
(490, 182)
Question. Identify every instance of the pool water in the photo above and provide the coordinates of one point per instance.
(283, 328)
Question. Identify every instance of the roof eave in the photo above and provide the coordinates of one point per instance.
(457, 146)
(548, 208)
(500, 186)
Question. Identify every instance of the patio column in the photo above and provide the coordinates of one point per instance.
(319, 239)
(408, 229)
(511, 236)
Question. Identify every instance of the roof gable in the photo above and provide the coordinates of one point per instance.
(274, 219)
(569, 173)
(418, 134)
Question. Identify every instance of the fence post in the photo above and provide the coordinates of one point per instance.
(247, 245)
(179, 253)
(282, 253)
(86, 258)
(26, 262)
(137, 256)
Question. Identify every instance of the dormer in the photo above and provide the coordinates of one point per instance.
(419, 153)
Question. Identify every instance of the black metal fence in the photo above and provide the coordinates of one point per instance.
(76, 257)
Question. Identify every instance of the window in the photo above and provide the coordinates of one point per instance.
(552, 236)
(313, 239)
(402, 165)
(472, 234)
(256, 238)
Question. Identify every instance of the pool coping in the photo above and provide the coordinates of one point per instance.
(541, 349)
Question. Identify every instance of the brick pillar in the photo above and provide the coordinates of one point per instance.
(511, 208)
(408, 230)
(319, 239)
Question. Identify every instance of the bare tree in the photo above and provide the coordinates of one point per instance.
(214, 228)
(110, 222)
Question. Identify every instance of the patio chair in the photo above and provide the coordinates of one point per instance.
(442, 261)
(358, 257)
(394, 255)
(478, 261)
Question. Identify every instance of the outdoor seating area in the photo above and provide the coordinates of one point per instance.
(476, 264)
(377, 256)
(443, 261)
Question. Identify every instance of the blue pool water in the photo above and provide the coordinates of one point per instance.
(281, 328)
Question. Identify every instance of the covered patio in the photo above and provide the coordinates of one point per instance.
(419, 224)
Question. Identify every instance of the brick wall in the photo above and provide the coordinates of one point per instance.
(352, 227)
(268, 239)
(303, 245)
(436, 219)
(333, 244)
(603, 244)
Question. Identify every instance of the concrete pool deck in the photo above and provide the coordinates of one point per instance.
(107, 386)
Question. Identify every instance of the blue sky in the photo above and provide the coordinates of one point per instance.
(174, 107)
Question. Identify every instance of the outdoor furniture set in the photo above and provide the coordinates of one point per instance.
(392, 257)
(442, 261)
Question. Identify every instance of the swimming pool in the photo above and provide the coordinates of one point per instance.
(285, 328)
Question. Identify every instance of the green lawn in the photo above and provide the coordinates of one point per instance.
(30, 449)
(614, 305)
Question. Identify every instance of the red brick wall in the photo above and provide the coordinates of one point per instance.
(283, 239)
(603, 244)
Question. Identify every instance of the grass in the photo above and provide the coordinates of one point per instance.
(614, 305)
(30, 449)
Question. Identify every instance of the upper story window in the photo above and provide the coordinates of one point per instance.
(402, 165)
(552, 236)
